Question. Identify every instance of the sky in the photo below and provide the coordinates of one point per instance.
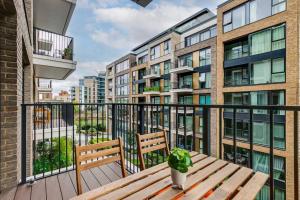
(105, 30)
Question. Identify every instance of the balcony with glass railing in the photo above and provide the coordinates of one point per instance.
(152, 73)
(182, 66)
(154, 90)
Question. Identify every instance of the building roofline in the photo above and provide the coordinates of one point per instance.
(170, 30)
(224, 3)
(121, 59)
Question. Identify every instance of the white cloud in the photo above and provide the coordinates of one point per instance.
(131, 26)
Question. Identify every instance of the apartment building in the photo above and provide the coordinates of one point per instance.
(28, 52)
(175, 66)
(91, 89)
(258, 64)
(75, 94)
(118, 79)
(63, 96)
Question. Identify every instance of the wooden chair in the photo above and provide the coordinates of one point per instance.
(151, 142)
(95, 155)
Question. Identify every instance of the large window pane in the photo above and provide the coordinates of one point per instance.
(278, 39)
(261, 72)
(260, 42)
(278, 70)
(259, 9)
(239, 17)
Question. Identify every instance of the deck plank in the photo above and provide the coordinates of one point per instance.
(38, 191)
(231, 185)
(90, 179)
(252, 187)
(151, 179)
(109, 173)
(166, 182)
(23, 192)
(129, 179)
(98, 173)
(66, 186)
(199, 176)
(9, 194)
(52, 188)
(72, 175)
(204, 187)
(115, 167)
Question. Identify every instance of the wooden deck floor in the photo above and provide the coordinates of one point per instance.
(63, 186)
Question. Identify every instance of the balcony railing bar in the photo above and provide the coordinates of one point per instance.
(128, 119)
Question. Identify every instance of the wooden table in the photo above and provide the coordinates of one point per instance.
(209, 177)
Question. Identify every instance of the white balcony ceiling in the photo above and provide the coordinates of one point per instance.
(52, 68)
(53, 15)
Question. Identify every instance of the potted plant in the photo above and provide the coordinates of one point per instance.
(179, 161)
(67, 54)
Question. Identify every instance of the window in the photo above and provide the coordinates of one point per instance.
(205, 35)
(239, 17)
(205, 80)
(236, 50)
(155, 100)
(155, 69)
(227, 21)
(268, 40)
(261, 72)
(155, 52)
(186, 81)
(213, 31)
(186, 61)
(268, 71)
(134, 77)
(278, 6)
(167, 66)
(205, 57)
(260, 42)
(167, 47)
(188, 125)
(143, 59)
(278, 37)
(236, 76)
(155, 83)
(259, 9)
(250, 12)
(122, 66)
(204, 99)
(134, 89)
(167, 99)
(185, 99)
(193, 39)
(166, 85)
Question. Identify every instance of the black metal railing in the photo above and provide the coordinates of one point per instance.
(210, 129)
(51, 44)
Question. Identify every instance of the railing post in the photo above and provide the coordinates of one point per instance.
(23, 144)
(206, 132)
(113, 121)
(141, 128)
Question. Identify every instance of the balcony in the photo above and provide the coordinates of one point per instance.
(57, 127)
(52, 55)
(182, 67)
(182, 87)
(152, 74)
(155, 90)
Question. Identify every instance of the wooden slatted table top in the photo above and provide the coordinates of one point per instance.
(209, 178)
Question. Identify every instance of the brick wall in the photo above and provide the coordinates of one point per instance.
(15, 52)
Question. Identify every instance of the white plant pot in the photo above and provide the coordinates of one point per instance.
(178, 178)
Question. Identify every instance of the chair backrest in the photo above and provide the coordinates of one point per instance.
(151, 142)
(95, 155)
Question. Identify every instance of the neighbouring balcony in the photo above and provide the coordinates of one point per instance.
(56, 128)
(182, 87)
(182, 67)
(152, 73)
(154, 90)
(52, 55)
